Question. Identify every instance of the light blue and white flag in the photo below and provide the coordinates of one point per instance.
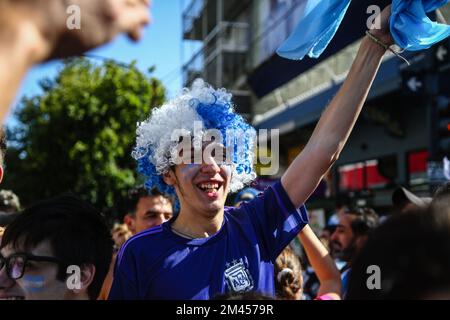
(317, 27)
(411, 29)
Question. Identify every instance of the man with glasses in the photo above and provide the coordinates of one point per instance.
(58, 249)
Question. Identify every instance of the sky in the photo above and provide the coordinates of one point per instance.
(160, 47)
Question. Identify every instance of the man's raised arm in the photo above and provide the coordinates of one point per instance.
(338, 120)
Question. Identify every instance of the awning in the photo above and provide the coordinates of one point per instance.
(277, 71)
(308, 111)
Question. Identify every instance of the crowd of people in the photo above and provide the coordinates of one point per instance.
(410, 247)
(177, 239)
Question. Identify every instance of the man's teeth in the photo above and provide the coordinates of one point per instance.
(209, 186)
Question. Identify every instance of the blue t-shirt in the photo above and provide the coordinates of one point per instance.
(159, 264)
(345, 277)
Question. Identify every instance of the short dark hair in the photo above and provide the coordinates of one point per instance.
(365, 222)
(77, 233)
(135, 194)
(133, 197)
(412, 251)
(3, 145)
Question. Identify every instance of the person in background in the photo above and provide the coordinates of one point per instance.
(350, 236)
(410, 259)
(311, 282)
(56, 249)
(146, 210)
(120, 234)
(9, 202)
(325, 236)
(404, 201)
(288, 271)
(9, 209)
(288, 276)
(342, 204)
(246, 195)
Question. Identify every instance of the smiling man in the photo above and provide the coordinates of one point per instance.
(210, 249)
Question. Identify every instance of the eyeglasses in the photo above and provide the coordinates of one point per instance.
(16, 263)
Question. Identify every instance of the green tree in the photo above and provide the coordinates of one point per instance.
(79, 133)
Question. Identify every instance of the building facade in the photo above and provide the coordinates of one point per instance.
(394, 141)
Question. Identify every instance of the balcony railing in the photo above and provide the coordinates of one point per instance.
(222, 58)
(321, 77)
(193, 11)
(274, 29)
(194, 68)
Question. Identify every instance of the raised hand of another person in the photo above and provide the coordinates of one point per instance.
(100, 21)
(381, 27)
(32, 31)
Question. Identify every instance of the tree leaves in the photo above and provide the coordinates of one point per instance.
(79, 133)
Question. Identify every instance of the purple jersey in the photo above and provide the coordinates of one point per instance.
(159, 264)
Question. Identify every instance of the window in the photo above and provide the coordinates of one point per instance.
(417, 167)
(370, 174)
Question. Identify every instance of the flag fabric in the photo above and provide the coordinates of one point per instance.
(410, 27)
(318, 25)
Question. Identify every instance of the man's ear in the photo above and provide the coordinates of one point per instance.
(130, 221)
(1, 173)
(169, 178)
(86, 278)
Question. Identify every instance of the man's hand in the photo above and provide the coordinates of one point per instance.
(101, 21)
(337, 122)
(383, 33)
(32, 31)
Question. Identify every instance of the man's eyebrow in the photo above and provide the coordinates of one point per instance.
(151, 211)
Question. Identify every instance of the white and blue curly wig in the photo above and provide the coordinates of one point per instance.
(155, 149)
